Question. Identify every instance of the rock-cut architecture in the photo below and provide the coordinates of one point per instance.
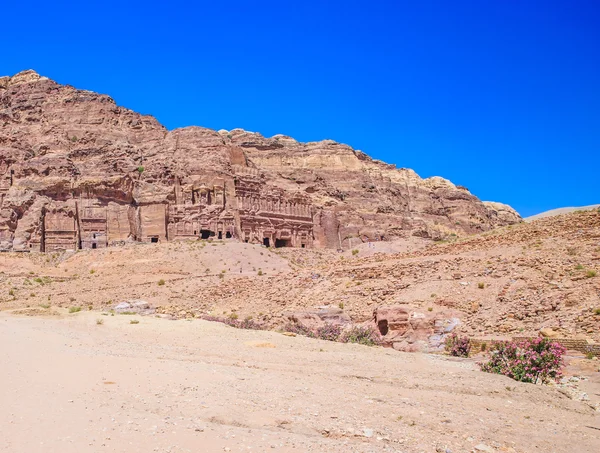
(78, 171)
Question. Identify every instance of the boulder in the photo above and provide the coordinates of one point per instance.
(408, 328)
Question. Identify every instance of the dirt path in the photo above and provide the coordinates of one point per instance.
(70, 385)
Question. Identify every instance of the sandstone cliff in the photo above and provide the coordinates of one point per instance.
(78, 171)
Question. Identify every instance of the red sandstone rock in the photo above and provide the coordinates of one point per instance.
(407, 328)
(76, 170)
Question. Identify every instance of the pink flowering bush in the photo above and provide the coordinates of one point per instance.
(536, 360)
(458, 346)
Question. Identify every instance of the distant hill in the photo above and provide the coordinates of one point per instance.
(559, 211)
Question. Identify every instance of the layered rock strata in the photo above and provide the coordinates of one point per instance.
(78, 171)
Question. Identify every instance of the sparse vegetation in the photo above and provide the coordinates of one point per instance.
(458, 346)
(46, 306)
(247, 323)
(362, 335)
(591, 274)
(480, 285)
(134, 321)
(298, 329)
(355, 252)
(161, 282)
(99, 321)
(329, 332)
(260, 272)
(341, 305)
(74, 309)
(535, 360)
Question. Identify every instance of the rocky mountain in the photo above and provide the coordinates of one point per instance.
(78, 171)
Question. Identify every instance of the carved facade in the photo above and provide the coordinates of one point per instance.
(241, 208)
(200, 211)
(59, 231)
(268, 215)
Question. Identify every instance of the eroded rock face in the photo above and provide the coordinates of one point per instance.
(407, 328)
(314, 319)
(76, 170)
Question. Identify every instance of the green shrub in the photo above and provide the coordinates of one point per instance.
(480, 285)
(591, 274)
(74, 309)
(355, 252)
(161, 282)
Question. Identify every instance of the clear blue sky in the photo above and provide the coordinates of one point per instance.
(502, 97)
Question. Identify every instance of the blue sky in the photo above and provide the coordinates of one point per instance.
(501, 97)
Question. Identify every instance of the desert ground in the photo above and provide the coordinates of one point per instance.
(80, 376)
(71, 383)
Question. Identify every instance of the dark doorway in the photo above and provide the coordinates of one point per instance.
(195, 232)
(303, 245)
(94, 245)
(282, 243)
(154, 240)
(228, 235)
(383, 327)
(267, 242)
(205, 234)
(220, 235)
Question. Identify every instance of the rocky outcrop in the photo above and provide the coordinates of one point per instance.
(407, 328)
(76, 170)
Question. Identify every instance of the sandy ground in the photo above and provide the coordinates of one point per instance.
(69, 384)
